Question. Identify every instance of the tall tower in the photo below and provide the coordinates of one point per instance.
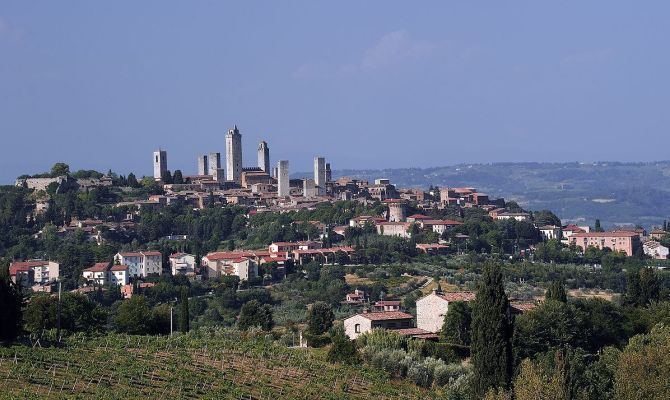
(264, 157)
(283, 188)
(215, 166)
(320, 174)
(160, 164)
(234, 155)
(203, 166)
(329, 173)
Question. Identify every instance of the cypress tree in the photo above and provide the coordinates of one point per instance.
(491, 334)
(598, 227)
(184, 315)
(556, 291)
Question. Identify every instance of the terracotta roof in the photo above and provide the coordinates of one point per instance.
(418, 216)
(441, 222)
(151, 253)
(28, 264)
(121, 267)
(231, 255)
(98, 267)
(130, 254)
(14, 269)
(386, 315)
(604, 234)
(457, 296)
(547, 227)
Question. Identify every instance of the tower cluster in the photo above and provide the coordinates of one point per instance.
(234, 174)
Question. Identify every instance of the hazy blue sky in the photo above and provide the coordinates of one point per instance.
(365, 83)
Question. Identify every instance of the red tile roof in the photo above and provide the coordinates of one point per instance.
(386, 315)
(151, 253)
(604, 234)
(130, 254)
(418, 216)
(119, 267)
(98, 267)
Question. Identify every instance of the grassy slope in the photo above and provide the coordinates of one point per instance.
(219, 366)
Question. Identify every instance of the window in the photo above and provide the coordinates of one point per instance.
(357, 328)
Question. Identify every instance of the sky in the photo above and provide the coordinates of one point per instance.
(367, 84)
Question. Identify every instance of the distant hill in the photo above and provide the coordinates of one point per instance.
(617, 193)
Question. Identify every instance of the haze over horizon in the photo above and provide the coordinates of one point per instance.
(368, 86)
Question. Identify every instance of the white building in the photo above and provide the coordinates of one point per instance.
(550, 232)
(219, 264)
(29, 273)
(118, 275)
(366, 321)
(655, 250)
(431, 309)
(182, 264)
(234, 155)
(98, 273)
(521, 216)
(283, 188)
(141, 264)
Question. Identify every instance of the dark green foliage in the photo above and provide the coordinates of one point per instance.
(598, 227)
(78, 313)
(254, 314)
(556, 291)
(320, 318)
(546, 217)
(457, 324)
(643, 287)
(343, 350)
(132, 316)
(184, 319)
(177, 178)
(551, 325)
(11, 302)
(491, 333)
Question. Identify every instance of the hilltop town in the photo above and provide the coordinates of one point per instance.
(345, 263)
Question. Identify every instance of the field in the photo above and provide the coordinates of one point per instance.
(222, 365)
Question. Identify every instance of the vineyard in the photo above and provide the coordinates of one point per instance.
(222, 365)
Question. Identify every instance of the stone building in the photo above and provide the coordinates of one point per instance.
(431, 309)
(397, 210)
(203, 165)
(320, 175)
(283, 184)
(214, 168)
(366, 321)
(233, 155)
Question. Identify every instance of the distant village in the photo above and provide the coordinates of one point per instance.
(268, 189)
